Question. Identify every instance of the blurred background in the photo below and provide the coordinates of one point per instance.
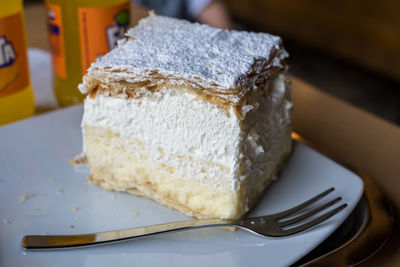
(347, 48)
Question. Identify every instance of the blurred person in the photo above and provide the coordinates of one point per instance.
(211, 12)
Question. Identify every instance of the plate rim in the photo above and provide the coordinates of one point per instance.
(372, 236)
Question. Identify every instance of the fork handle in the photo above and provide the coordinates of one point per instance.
(71, 241)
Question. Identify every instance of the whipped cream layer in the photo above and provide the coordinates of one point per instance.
(180, 124)
(268, 129)
(177, 122)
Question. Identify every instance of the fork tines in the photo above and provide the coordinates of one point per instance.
(285, 225)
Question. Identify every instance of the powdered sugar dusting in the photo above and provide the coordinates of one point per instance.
(200, 54)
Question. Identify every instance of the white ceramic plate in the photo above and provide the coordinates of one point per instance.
(34, 159)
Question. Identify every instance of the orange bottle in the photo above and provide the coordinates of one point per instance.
(79, 32)
(16, 93)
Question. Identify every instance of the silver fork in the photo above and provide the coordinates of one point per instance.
(273, 225)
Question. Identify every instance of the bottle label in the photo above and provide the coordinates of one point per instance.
(56, 38)
(14, 75)
(99, 30)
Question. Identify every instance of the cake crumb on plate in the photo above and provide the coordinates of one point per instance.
(25, 196)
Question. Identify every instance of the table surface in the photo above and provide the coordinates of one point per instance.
(342, 131)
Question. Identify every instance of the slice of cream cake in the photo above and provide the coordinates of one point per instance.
(194, 117)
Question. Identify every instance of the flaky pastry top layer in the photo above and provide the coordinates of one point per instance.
(161, 52)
